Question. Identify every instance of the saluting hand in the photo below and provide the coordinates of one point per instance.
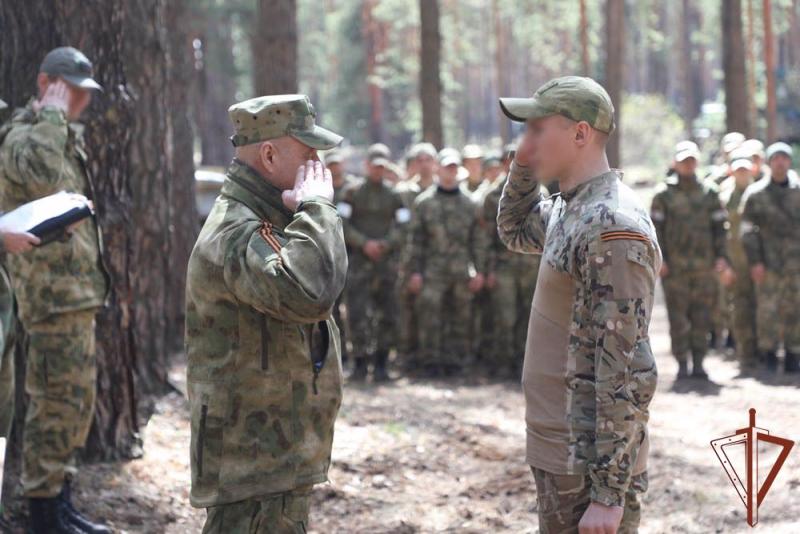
(312, 180)
(56, 95)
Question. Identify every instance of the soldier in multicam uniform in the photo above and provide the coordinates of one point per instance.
(740, 291)
(373, 214)
(59, 288)
(264, 370)
(769, 227)
(472, 160)
(589, 373)
(446, 255)
(690, 222)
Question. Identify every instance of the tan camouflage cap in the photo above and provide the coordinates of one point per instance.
(731, 141)
(575, 97)
(269, 117)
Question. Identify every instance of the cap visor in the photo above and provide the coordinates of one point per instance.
(318, 138)
(682, 156)
(83, 83)
(522, 109)
(449, 160)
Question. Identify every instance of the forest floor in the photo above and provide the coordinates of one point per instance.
(448, 456)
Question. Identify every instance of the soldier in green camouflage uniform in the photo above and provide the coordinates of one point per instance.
(589, 373)
(407, 324)
(740, 289)
(511, 277)
(447, 252)
(769, 227)
(264, 369)
(372, 212)
(59, 287)
(690, 222)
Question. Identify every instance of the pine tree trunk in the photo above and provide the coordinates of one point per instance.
(769, 66)
(274, 47)
(430, 85)
(615, 61)
(736, 104)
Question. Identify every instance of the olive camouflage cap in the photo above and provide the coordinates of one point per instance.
(269, 117)
(574, 97)
(71, 65)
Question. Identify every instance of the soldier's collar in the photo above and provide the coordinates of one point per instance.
(251, 189)
(587, 185)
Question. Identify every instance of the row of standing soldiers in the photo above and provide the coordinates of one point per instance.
(428, 274)
(731, 247)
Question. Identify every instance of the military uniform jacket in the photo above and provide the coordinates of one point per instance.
(264, 366)
(447, 240)
(770, 225)
(372, 211)
(41, 154)
(589, 373)
(690, 223)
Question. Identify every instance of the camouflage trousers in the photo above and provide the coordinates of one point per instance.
(407, 329)
(562, 500)
(443, 306)
(742, 305)
(691, 300)
(370, 307)
(60, 379)
(283, 513)
(511, 304)
(777, 303)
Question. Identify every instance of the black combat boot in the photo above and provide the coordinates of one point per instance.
(380, 374)
(771, 359)
(359, 373)
(792, 363)
(697, 366)
(48, 515)
(78, 519)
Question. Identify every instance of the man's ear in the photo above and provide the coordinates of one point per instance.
(266, 155)
(583, 133)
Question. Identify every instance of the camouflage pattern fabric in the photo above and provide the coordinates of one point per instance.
(264, 369)
(770, 219)
(447, 245)
(690, 223)
(60, 379)
(284, 513)
(601, 239)
(7, 329)
(41, 154)
(372, 211)
(563, 499)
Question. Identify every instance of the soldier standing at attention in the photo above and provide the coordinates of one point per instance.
(690, 222)
(589, 373)
(447, 256)
(740, 287)
(769, 226)
(264, 370)
(59, 288)
(372, 213)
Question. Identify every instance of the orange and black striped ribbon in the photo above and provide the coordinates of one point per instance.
(623, 234)
(269, 238)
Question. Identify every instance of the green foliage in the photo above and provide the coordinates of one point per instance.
(650, 130)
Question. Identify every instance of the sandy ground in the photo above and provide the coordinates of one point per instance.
(448, 456)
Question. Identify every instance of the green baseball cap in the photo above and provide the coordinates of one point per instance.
(71, 65)
(269, 117)
(574, 97)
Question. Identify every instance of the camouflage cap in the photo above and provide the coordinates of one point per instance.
(269, 117)
(753, 147)
(741, 163)
(426, 149)
(685, 150)
(334, 156)
(71, 65)
(3, 105)
(449, 156)
(778, 148)
(472, 152)
(574, 97)
(731, 141)
(378, 150)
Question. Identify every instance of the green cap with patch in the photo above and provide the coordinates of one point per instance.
(574, 97)
(269, 117)
(71, 65)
